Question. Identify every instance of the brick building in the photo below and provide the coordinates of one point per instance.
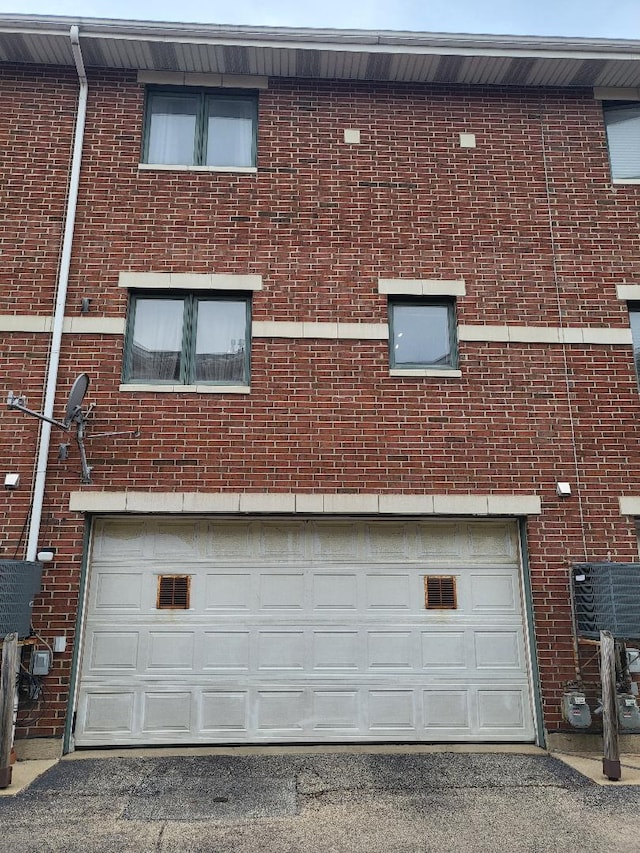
(358, 302)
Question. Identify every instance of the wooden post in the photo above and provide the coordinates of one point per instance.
(611, 758)
(7, 704)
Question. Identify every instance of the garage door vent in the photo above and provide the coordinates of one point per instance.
(173, 592)
(440, 592)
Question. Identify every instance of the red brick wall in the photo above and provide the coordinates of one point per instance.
(321, 221)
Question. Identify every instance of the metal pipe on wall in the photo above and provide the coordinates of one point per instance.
(61, 299)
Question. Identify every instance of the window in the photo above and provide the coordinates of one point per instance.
(422, 334)
(187, 339)
(622, 119)
(634, 320)
(200, 128)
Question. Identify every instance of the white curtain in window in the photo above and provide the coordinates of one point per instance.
(157, 340)
(221, 341)
(172, 130)
(230, 132)
(623, 135)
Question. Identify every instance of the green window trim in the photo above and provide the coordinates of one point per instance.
(451, 361)
(202, 99)
(187, 337)
(634, 323)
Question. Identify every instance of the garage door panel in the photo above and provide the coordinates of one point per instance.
(391, 709)
(494, 541)
(120, 590)
(167, 711)
(494, 592)
(446, 709)
(113, 650)
(282, 591)
(335, 591)
(108, 712)
(229, 542)
(444, 650)
(228, 591)
(175, 540)
(170, 650)
(501, 708)
(336, 711)
(225, 650)
(281, 650)
(388, 592)
(285, 639)
(336, 650)
(391, 650)
(281, 711)
(223, 712)
(498, 650)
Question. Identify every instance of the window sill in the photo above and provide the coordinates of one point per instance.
(187, 389)
(168, 167)
(448, 373)
(625, 181)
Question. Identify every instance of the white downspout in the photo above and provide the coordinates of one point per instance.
(61, 298)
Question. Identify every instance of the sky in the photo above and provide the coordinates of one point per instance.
(584, 18)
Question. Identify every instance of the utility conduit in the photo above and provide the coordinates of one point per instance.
(61, 298)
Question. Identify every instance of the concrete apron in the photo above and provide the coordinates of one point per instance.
(588, 764)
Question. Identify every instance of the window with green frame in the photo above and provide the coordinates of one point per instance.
(634, 322)
(200, 127)
(422, 333)
(187, 339)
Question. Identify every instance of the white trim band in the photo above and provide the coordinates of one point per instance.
(215, 81)
(421, 287)
(628, 292)
(281, 502)
(189, 281)
(543, 334)
(442, 372)
(188, 389)
(332, 331)
(629, 505)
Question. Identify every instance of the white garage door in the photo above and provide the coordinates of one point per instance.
(316, 630)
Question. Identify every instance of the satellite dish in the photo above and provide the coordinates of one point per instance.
(74, 404)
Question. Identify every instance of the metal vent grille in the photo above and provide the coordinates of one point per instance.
(440, 592)
(607, 598)
(19, 583)
(173, 592)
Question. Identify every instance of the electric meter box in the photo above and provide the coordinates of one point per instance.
(628, 712)
(19, 584)
(575, 710)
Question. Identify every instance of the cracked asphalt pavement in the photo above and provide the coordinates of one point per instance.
(330, 803)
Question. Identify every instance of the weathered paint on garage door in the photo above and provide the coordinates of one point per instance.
(303, 630)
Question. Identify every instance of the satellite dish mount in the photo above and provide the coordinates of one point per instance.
(74, 414)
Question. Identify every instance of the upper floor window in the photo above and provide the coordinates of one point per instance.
(191, 127)
(634, 320)
(422, 333)
(622, 119)
(187, 339)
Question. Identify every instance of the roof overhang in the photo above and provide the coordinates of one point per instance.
(321, 53)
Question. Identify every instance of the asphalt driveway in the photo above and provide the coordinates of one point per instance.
(369, 803)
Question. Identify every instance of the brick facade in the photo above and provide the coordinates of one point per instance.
(529, 219)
